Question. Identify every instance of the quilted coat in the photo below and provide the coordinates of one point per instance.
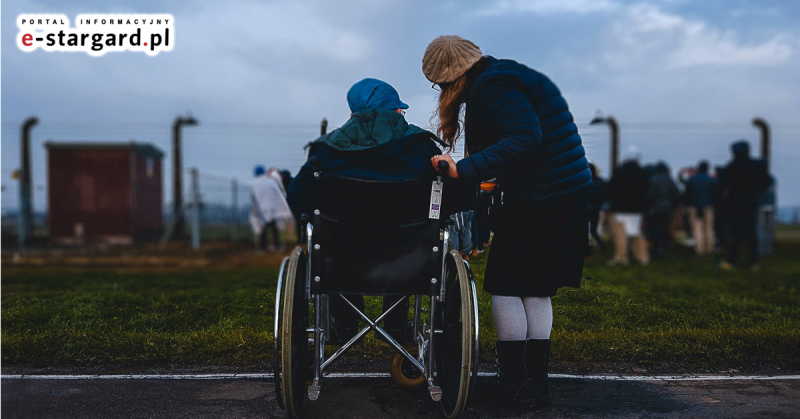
(518, 128)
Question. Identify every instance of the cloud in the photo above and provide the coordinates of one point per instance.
(682, 43)
(278, 63)
(749, 12)
(287, 27)
(546, 7)
(649, 63)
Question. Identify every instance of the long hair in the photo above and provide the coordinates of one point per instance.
(452, 96)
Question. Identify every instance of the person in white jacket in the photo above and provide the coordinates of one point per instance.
(269, 210)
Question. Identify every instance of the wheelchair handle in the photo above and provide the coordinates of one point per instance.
(443, 167)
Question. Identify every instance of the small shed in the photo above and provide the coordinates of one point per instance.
(104, 192)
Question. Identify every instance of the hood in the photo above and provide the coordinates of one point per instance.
(740, 149)
(370, 128)
(373, 93)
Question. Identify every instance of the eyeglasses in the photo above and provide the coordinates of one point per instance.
(403, 113)
(440, 86)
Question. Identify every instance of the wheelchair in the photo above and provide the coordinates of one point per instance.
(382, 238)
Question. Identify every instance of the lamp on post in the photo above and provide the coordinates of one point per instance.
(599, 118)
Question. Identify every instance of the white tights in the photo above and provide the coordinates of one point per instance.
(520, 318)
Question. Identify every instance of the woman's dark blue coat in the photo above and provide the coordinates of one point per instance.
(519, 129)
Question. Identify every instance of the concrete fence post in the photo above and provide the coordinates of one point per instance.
(25, 194)
(195, 206)
(235, 208)
(613, 126)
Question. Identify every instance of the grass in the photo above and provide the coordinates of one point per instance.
(72, 318)
(683, 310)
(678, 310)
(787, 233)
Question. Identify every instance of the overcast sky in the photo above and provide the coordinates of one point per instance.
(683, 78)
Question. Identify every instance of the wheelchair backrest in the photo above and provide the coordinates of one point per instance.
(374, 237)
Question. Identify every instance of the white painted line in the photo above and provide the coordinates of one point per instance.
(386, 375)
(139, 377)
(676, 377)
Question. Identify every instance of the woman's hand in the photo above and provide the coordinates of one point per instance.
(452, 172)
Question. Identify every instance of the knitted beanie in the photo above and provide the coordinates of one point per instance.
(448, 57)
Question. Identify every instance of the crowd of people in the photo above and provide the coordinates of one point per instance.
(642, 208)
(644, 211)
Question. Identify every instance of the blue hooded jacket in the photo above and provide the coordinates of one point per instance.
(376, 144)
(519, 129)
(373, 93)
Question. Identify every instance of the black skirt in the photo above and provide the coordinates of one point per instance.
(537, 248)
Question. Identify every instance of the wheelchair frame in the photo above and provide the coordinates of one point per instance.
(455, 274)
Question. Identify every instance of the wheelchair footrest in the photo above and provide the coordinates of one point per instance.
(436, 393)
(313, 392)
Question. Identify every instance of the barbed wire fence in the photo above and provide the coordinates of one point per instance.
(226, 199)
(225, 207)
(217, 209)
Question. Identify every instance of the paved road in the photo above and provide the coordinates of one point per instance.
(381, 398)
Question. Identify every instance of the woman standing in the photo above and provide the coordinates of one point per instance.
(518, 129)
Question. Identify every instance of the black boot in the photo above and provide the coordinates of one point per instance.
(511, 380)
(537, 360)
(543, 397)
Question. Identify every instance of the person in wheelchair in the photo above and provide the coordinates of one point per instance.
(376, 143)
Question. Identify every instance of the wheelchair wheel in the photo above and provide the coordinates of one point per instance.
(276, 336)
(403, 372)
(294, 359)
(455, 348)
